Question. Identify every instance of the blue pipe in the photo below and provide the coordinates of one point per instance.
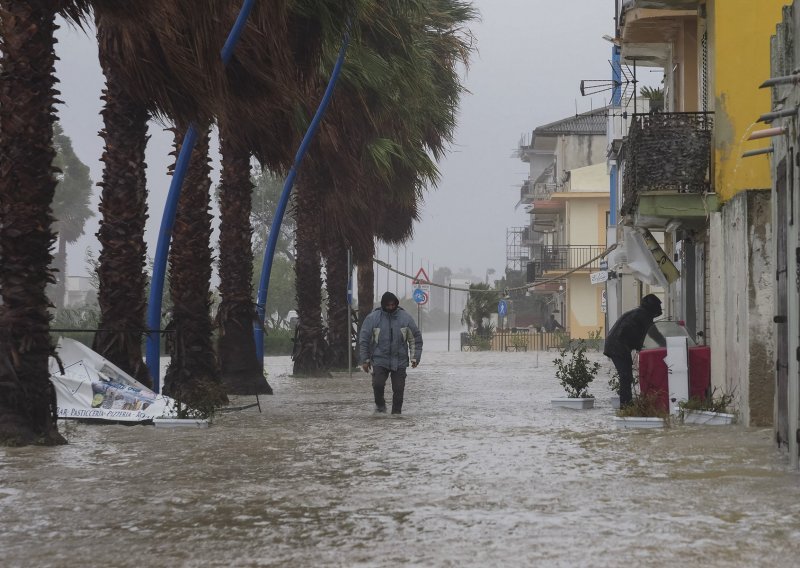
(153, 347)
(277, 220)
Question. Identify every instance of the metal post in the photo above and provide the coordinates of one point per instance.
(349, 309)
(449, 292)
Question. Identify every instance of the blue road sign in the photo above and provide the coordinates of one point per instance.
(502, 307)
(419, 296)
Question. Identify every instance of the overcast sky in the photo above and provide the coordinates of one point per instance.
(532, 55)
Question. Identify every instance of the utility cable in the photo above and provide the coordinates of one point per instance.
(506, 290)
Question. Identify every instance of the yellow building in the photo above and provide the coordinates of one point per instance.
(585, 197)
(683, 173)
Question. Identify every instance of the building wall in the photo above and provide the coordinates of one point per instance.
(742, 352)
(579, 150)
(584, 306)
(583, 228)
(589, 179)
(740, 32)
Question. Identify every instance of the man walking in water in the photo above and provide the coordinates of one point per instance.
(388, 341)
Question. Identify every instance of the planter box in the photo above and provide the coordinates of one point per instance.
(180, 423)
(576, 403)
(706, 417)
(640, 422)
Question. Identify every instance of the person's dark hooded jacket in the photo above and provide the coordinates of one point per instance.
(630, 330)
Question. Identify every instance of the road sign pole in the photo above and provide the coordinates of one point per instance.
(448, 317)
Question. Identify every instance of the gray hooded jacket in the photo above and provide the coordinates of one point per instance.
(389, 340)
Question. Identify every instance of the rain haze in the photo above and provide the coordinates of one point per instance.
(531, 56)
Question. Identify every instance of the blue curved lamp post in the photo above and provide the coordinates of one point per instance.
(277, 220)
(153, 347)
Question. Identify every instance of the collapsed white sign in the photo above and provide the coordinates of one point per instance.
(93, 387)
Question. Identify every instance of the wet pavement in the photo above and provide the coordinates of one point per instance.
(480, 470)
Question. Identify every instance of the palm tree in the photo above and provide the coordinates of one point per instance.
(70, 205)
(310, 350)
(122, 279)
(409, 89)
(27, 186)
(193, 377)
(242, 373)
(480, 305)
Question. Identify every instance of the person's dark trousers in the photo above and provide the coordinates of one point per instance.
(624, 366)
(379, 376)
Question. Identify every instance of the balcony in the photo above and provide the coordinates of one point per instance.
(531, 191)
(561, 258)
(665, 157)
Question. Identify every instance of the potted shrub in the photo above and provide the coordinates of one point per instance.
(575, 373)
(644, 411)
(713, 410)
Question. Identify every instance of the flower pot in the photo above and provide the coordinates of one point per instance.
(640, 422)
(706, 417)
(575, 403)
(180, 423)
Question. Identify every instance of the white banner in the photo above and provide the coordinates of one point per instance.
(93, 387)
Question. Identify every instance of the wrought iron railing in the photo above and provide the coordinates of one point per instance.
(567, 257)
(666, 152)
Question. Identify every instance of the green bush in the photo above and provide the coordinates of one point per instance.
(278, 342)
(645, 405)
(712, 402)
(574, 370)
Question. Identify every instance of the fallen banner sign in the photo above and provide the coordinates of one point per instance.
(92, 387)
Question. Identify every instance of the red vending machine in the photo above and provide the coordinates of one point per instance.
(653, 372)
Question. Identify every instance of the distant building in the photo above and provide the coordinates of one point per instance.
(79, 292)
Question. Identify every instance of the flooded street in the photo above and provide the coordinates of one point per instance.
(480, 470)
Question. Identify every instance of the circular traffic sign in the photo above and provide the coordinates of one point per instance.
(420, 296)
(502, 307)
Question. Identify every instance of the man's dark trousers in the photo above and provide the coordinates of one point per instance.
(379, 376)
(624, 366)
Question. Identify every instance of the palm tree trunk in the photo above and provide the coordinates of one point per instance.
(28, 410)
(123, 206)
(339, 322)
(242, 372)
(192, 376)
(310, 350)
(366, 286)
(59, 289)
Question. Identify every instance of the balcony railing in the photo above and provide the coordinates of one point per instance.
(531, 191)
(566, 257)
(666, 152)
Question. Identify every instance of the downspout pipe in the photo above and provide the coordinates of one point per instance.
(792, 79)
(280, 210)
(771, 116)
(153, 345)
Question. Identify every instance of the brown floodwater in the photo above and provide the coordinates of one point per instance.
(480, 470)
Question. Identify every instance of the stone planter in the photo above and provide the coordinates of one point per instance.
(638, 422)
(707, 418)
(575, 403)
